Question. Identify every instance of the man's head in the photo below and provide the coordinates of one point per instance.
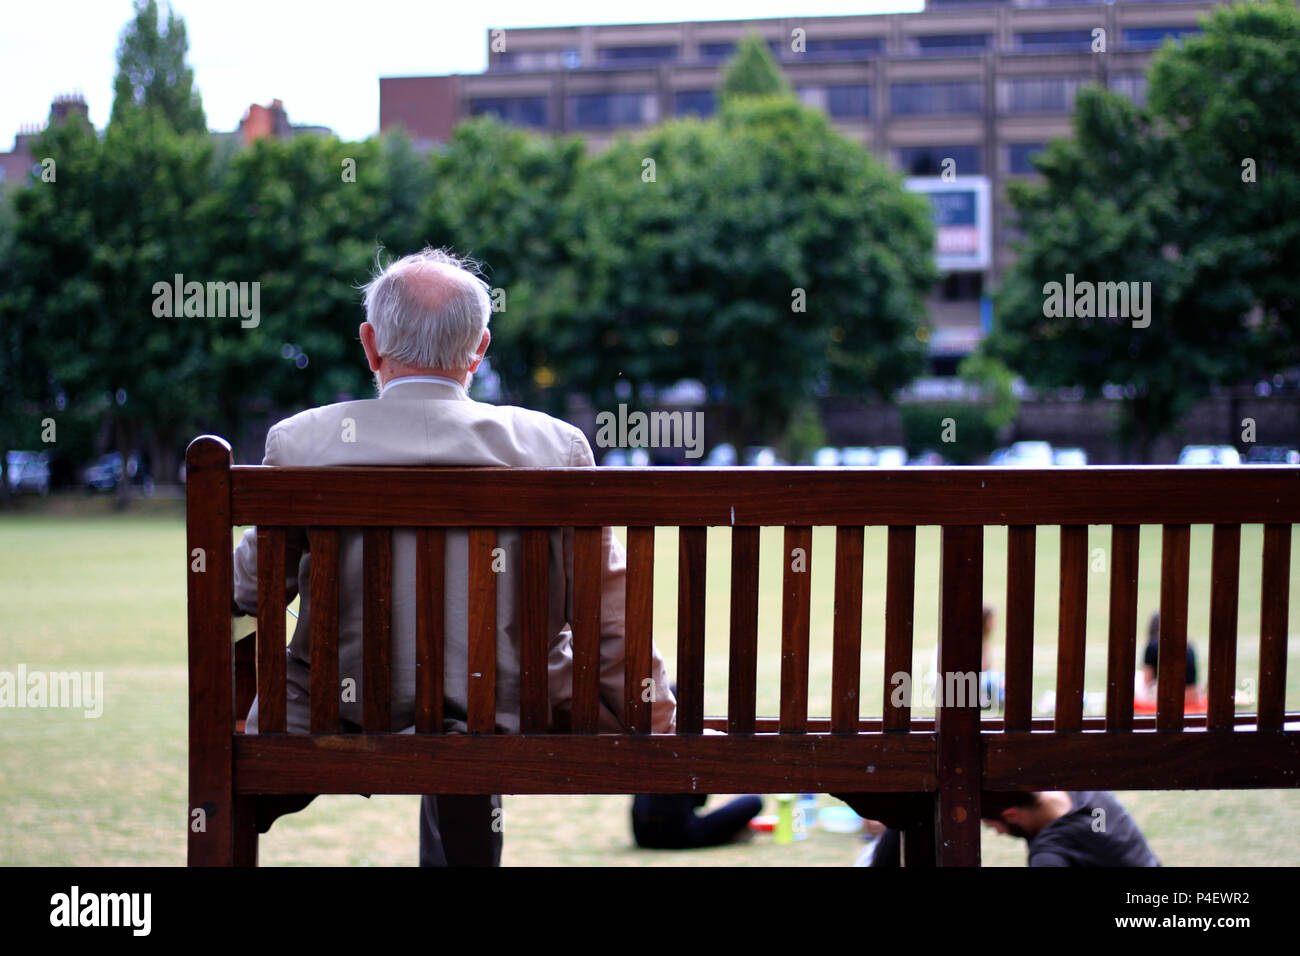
(426, 314)
(1022, 813)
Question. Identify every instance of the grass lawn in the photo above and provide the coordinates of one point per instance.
(85, 589)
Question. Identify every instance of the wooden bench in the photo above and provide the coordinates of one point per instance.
(926, 773)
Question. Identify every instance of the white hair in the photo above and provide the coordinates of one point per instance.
(429, 310)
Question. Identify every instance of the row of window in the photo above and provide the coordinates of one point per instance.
(842, 101)
(838, 48)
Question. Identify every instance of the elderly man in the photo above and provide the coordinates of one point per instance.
(424, 336)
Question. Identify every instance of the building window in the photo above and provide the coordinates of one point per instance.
(907, 99)
(842, 48)
(1055, 41)
(1134, 86)
(716, 51)
(519, 110)
(928, 160)
(1145, 38)
(962, 287)
(571, 58)
(848, 100)
(625, 55)
(1039, 95)
(951, 44)
(693, 103)
(599, 110)
(1018, 156)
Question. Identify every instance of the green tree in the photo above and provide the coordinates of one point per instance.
(762, 253)
(152, 73)
(1161, 195)
(753, 72)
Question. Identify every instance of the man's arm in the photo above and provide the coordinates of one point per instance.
(613, 618)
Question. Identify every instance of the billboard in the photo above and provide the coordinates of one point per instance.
(963, 234)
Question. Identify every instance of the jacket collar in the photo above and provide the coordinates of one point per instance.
(424, 387)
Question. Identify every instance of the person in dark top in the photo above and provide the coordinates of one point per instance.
(1084, 828)
(1145, 699)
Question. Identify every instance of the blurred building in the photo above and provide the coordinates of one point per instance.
(261, 122)
(968, 87)
(18, 162)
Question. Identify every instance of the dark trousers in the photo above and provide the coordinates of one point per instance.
(457, 830)
(687, 830)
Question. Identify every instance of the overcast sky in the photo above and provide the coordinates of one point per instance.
(322, 58)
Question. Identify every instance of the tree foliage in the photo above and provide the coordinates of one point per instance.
(152, 73)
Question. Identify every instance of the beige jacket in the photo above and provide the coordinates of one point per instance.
(434, 422)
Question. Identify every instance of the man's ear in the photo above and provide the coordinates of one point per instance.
(367, 332)
(481, 351)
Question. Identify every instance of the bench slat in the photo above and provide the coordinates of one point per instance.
(900, 600)
(324, 630)
(1275, 587)
(1121, 651)
(568, 497)
(587, 561)
(1072, 628)
(742, 671)
(270, 630)
(639, 643)
(377, 630)
(846, 662)
(692, 558)
(534, 610)
(1021, 543)
(1175, 556)
(1225, 581)
(430, 622)
(795, 611)
(482, 656)
(957, 722)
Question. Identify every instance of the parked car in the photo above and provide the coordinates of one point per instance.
(1209, 455)
(721, 456)
(928, 458)
(891, 456)
(761, 456)
(28, 471)
(826, 457)
(622, 458)
(857, 457)
(1069, 457)
(1271, 455)
(1028, 454)
(108, 471)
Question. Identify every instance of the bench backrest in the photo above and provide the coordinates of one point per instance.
(791, 751)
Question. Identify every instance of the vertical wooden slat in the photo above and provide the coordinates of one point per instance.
(846, 662)
(1021, 543)
(795, 608)
(377, 630)
(639, 645)
(534, 608)
(586, 629)
(209, 586)
(1172, 655)
(691, 569)
(743, 638)
(270, 631)
(900, 591)
(1121, 653)
(1071, 635)
(1274, 599)
(482, 632)
(957, 721)
(1225, 578)
(324, 630)
(430, 620)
